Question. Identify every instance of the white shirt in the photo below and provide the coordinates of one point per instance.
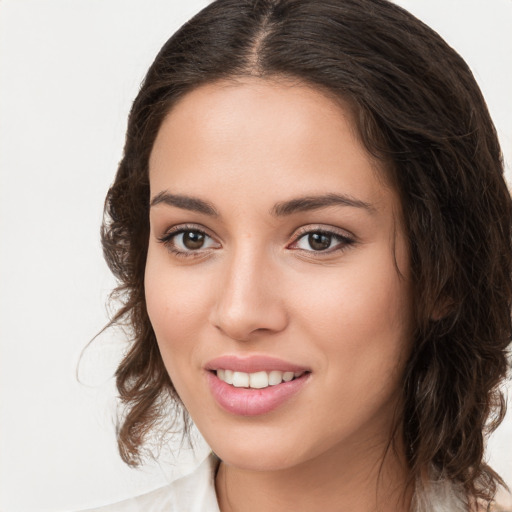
(195, 492)
(192, 493)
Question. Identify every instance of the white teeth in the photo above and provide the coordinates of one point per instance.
(275, 377)
(256, 380)
(240, 380)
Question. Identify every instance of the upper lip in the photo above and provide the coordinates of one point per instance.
(254, 363)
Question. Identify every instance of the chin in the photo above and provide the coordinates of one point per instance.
(262, 452)
(258, 460)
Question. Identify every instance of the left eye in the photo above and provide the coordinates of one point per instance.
(189, 240)
(320, 241)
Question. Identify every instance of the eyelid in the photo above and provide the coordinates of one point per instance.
(180, 228)
(322, 228)
(347, 238)
(167, 238)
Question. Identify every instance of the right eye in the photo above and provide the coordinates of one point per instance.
(188, 241)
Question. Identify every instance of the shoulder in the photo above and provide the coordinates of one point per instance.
(443, 495)
(503, 501)
(194, 492)
(439, 495)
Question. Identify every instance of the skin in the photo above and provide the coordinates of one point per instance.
(256, 286)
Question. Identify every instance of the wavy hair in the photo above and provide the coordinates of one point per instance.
(419, 111)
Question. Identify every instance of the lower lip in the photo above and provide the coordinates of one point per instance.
(252, 402)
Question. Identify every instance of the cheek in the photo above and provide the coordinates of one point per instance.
(176, 303)
(361, 318)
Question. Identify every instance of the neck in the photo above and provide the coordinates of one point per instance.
(368, 480)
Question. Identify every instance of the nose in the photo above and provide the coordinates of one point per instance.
(249, 301)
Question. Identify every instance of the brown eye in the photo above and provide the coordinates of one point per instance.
(193, 240)
(188, 241)
(319, 241)
(322, 242)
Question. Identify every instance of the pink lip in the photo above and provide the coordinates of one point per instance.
(251, 364)
(247, 401)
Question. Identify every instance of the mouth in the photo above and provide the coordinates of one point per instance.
(255, 385)
(256, 380)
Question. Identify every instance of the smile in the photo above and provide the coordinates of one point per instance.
(259, 384)
(256, 380)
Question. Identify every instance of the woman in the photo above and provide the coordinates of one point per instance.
(311, 232)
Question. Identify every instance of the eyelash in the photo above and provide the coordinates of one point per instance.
(344, 241)
(168, 241)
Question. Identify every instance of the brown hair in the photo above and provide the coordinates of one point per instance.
(419, 110)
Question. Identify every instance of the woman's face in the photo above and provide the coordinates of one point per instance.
(276, 251)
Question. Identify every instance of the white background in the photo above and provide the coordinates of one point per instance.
(69, 70)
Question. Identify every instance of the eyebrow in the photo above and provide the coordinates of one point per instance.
(193, 204)
(281, 209)
(307, 203)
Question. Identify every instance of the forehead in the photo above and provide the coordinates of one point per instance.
(268, 137)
